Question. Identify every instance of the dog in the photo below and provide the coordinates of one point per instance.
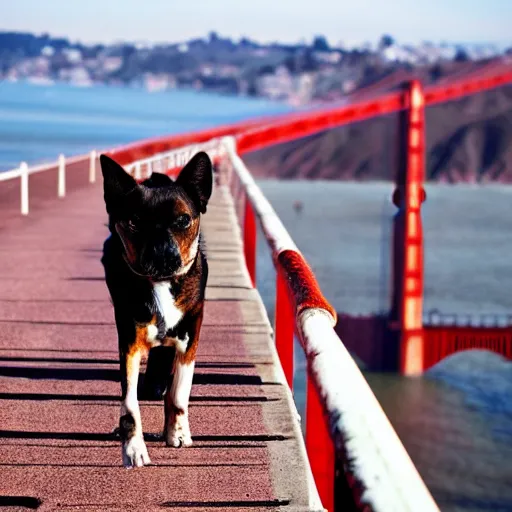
(156, 273)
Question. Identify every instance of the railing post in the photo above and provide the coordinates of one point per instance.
(320, 447)
(61, 179)
(24, 188)
(92, 167)
(137, 174)
(411, 279)
(250, 240)
(284, 327)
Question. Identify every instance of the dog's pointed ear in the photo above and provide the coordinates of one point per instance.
(117, 183)
(196, 178)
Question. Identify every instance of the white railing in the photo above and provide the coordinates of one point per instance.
(23, 172)
(160, 162)
(139, 169)
(360, 430)
(172, 159)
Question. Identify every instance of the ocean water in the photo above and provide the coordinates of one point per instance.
(38, 122)
(344, 231)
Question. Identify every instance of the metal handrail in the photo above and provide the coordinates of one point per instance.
(23, 172)
(165, 161)
(47, 166)
(362, 434)
(171, 160)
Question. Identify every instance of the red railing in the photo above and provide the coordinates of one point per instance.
(250, 241)
(344, 421)
(449, 92)
(447, 334)
(442, 341)
(139, 150)
(311, 123)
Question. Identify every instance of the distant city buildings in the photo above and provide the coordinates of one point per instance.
(297, 74)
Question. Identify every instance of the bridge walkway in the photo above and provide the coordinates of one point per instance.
(59, 380)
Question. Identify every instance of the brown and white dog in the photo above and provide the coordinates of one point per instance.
(156, 273)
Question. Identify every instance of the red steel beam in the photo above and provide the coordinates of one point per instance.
(315, 122)
(296, 127)
(438, 94)
(141, 149)
(441, 341)
(320, 447)
(411, 282)
(250, 234)
(284, 327)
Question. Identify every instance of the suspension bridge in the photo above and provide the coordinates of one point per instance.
(59, 373)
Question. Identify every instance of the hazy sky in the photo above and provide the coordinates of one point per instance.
(264, 20)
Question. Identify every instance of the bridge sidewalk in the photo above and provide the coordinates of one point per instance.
(59, 383)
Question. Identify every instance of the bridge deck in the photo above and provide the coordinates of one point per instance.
(59, 400)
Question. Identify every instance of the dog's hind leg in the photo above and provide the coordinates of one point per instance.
(130, 425)
(158, 369)
(176, 427)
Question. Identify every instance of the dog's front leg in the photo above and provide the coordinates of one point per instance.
(176, 428)
(134, 449)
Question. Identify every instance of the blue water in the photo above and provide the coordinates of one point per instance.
(39, 122)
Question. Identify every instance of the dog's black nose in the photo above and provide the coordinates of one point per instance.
(172, 257)
(162, 260)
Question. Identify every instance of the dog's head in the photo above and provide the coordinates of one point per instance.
(158, 220)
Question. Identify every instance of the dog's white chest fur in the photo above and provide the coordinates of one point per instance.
(166, 305)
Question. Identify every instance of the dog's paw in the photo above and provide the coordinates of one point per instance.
(135, 453)
(178, 434)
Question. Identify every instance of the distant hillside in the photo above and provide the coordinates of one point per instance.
(298, 74)
(469, 140)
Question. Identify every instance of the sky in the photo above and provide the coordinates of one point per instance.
(351, 22)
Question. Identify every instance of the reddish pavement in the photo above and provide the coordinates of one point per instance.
(59, 382)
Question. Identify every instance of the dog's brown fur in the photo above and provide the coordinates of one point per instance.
(156, 273)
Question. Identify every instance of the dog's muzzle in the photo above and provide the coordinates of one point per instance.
(162, 260)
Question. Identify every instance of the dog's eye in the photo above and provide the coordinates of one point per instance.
(182, 222)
